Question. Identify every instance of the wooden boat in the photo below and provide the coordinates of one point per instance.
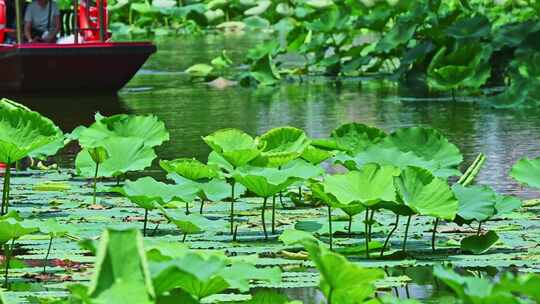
(90, 62)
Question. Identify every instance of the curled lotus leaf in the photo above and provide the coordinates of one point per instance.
(426, 194)
(233, 145)
(23, 132)
(369, 185)
(355, 137)
(190, 168)
(281, 145)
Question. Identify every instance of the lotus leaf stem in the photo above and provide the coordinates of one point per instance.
(95, 182)
(5, 190)
(202, 206)
(300, 197)
(184, 237)
(479, 228)
(371, 223)
(47, 255)
(330, 227)
(8, 251)
(406, 233)
(350, 226)
(366, 233)
(389, 235)
(187, 208)
(232, 207)
(434, 233)
(281, 200)
(329, 300)
(145, 221)
(274, 214)
(155, 229)
(262, 218)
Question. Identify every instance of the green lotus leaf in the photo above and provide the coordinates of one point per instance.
(368, 186)
(200, 70)
(216, 160)
(13, 227)
(527, 171)
(428, 144)
(53, 228)
(426, 194)
(464, 287)
(189, 168)
(146, 192)
(124, 154)
(24, 132)
(505, 204)
(472, 27)
(465, 67)
(315, 155)
(213, 190)
(121, 268)
(292, 237)
(351, 285)
(318, 4)
(475, 202)
(149, 129)
(392, 156)
(302, 170)
(479, 244)
(262, 6)
(281, 145)
(318, 192)
(355, 137)
(235, 146)
(203, 275)
(190, 224)
(400, 34)
(265, 182)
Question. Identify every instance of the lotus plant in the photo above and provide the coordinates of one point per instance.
(232, 149)
(23, 132)
(148, 194)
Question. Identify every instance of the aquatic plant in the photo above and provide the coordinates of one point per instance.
(232, 149)
(22, 133)
(12, 227)
(189, 224)
(148, 194)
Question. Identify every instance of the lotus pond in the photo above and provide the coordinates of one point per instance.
(309, 192)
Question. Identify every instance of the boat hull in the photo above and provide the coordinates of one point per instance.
(98, 68)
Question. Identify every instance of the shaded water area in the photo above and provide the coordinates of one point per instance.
(317, 106)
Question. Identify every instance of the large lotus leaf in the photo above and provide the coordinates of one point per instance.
(23, 131)
(315, 155)
(203, 275)
(426, 194)
(368, 186)
(392, 156)
(149, 129)
(235, 146)
(475, 202)
(13, 227)
(352, 284)
(213, 190)
(355, 137)
(147, 192)
(125, 154)
(467, 66)
(302, 170)
(473, 27)
(264, 182)
(282, 145)
(428, 144)
(527, 171)
(505, 204)
(400, 34)
(189, 168)
(120, 264)
(190, 224)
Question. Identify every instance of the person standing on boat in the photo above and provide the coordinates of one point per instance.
(42, 21)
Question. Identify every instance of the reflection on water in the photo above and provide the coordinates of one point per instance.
(192, 110)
